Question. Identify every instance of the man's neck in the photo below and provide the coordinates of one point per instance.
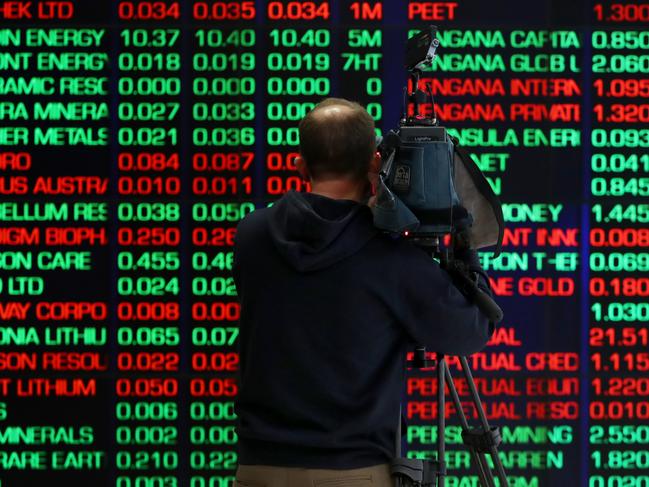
(339, 189)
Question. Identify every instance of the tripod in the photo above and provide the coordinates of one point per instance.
(480, 441)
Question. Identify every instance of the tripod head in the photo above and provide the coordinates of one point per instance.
(419, 360)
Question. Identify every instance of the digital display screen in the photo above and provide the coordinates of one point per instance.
(135, 135)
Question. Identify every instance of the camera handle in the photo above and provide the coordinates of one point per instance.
(469, 287)
(480, 441)
(463, 278)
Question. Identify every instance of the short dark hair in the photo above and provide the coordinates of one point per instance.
(337, 142)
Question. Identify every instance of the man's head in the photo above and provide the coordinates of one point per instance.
(337, 141)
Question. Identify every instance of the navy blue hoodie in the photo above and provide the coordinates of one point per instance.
(329, 309)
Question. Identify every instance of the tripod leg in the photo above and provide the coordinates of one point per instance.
(397, 446)
(441, 421)
(478, 459)
(397, 441)
(502, 477)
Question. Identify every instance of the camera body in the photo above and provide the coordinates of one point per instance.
(428, 186)
(422, 176)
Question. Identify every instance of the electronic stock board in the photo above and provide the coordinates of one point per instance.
(134, 135)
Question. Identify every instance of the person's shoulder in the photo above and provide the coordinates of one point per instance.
(399, 250)
(253, 223)
(410, 259)
(397, 243)
(257, 217)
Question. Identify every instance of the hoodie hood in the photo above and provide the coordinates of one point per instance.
(312, 232)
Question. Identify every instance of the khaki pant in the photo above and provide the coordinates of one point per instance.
(269, 476)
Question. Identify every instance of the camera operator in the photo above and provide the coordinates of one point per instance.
(329, 308)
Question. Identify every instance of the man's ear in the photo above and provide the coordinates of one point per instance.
(375, 163)
(373, 172)
(300, 165)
